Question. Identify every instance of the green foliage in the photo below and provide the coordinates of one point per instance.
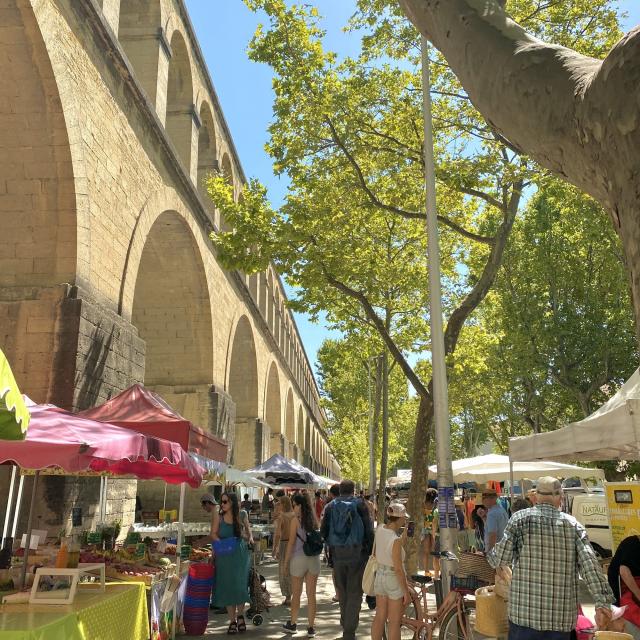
(344, 381)
(557, 338)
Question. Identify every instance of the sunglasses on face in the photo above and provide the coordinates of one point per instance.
(224, 501)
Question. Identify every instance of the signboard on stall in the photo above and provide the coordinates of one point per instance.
(623, 505)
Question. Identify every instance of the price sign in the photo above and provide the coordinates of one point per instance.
(94, 538)
(185, 552)
(140, 550)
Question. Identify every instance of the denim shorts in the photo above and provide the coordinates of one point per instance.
(386, 583)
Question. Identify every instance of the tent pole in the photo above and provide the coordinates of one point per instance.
(164, 502)
(16, 513)
(7, 515)
(32, 508)
(183, 486)
(511, 481)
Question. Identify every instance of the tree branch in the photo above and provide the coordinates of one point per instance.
(486, 280)
(379, 324)
(413, 215)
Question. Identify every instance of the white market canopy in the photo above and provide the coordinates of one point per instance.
(235, 476)
(612, 432)
(481, 469)
(285, 472)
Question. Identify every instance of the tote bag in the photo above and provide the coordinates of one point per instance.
(369, 575)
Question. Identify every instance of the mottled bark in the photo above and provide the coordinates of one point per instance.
(419, 469)
(577, 116)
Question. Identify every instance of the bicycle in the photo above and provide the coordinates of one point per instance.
(454, 619)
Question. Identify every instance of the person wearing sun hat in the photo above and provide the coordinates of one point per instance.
(497, 518)
(391, 586)
(549, 551)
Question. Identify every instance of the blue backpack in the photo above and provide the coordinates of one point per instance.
(346, 528)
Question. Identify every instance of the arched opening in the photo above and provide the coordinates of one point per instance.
(290, 424)
(270, 302)
(207, 158)
(38, 223)
(253, 287)
(300, 438)
(138, 28)
(172, 312)
(263, 295)
(307, 442)
(276, 316)
(171, 307)
(227, 172)
(179, 123)
(273, 410)
(243, 371)
(243, 389)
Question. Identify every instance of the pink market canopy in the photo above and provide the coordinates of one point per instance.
(57, 438)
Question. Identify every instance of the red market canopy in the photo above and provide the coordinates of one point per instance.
(58, 438)
(142, 410)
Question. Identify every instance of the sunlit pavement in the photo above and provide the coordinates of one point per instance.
(327, 619)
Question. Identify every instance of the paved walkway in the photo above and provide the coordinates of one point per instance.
(327, 618)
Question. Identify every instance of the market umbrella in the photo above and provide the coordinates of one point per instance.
(278, 470)
(58, 438)
(496, 467)
(14, 415)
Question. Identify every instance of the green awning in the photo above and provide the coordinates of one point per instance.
(14, 415)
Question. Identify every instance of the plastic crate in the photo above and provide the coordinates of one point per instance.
(466, 585)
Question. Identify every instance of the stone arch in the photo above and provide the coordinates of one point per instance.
(270, 301)
(172, 310)
(207, 152)
(290, 423)
(179, 123)
(242, 384)
(263, 295)
(38, 204)
(227, 171)
(138, 27)
(273, 409)
(253, 286)
(300, 430)
(307, 440)
(276, 315)
(44, 224)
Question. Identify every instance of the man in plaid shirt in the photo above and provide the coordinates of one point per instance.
(547, 549)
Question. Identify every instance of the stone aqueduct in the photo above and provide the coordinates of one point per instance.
(108, 124)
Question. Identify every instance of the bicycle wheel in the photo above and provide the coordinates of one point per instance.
(451, 628)
(407, 632)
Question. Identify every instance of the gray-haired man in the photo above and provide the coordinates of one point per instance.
(547, 549)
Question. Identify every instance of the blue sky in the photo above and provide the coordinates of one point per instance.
(224, 28)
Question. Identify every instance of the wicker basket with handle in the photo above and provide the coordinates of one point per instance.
(491, 613)
(476, 565)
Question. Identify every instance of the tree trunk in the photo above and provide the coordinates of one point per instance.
(384, 458)
(575, 115)
(377, 408)
(419, 465)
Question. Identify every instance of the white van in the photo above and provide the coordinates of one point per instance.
(590, 509)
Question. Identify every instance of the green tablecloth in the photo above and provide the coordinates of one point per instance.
(119, 613)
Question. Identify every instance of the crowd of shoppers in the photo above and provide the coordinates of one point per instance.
(546, 549)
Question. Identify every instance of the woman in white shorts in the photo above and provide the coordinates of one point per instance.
(303, 568)
(391, 588)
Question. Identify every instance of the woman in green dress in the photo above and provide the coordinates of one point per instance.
(232, 568)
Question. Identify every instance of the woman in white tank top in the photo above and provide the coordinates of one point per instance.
(391, 588)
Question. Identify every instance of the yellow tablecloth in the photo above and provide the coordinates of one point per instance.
(117, 614)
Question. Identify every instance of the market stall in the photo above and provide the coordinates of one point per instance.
(70, 444)
(284, 472)
(612, 432)
(497, 467)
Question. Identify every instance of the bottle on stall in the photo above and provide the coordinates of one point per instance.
(62, 558)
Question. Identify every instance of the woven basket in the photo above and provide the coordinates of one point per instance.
(612, 635)
(472, 564)
(491, 613)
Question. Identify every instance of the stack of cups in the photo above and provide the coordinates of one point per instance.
(195, 613)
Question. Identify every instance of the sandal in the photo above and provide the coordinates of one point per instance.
(233, 628)
(242, 625)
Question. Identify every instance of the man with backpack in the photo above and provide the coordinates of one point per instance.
(348, 530)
